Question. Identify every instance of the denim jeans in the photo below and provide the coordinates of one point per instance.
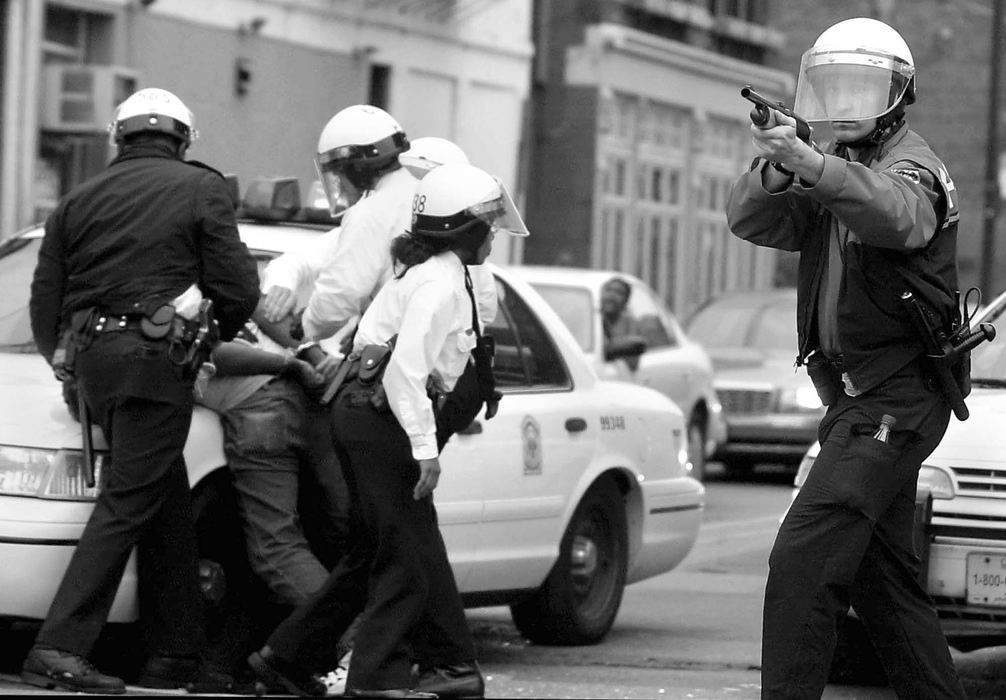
(847, 540)
(271, 438)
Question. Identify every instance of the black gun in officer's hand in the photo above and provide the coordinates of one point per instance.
(943, 352)
(761, 112)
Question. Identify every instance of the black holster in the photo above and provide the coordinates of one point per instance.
(826, 377)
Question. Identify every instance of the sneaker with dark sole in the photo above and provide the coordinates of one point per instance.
(275, 672)
(51, 668)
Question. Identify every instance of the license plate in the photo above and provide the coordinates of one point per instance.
(986, 579)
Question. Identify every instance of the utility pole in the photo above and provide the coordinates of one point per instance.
(990, 211)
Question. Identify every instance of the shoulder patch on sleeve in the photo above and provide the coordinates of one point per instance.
(909, 174)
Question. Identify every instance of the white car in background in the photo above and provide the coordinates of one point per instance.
(576, 488)
(671, 362)
(962, 541)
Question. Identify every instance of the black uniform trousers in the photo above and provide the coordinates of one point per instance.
(144, 408)
(847, 539)
(396, 570)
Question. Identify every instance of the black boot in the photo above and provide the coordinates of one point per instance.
(51, 668)
(459, 681)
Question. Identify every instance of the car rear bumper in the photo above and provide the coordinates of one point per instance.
(37, 539)
(673, 514)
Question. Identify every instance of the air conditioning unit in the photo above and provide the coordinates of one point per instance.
(81, 98)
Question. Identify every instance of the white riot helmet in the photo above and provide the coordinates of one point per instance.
(452, 197)
(427, 152)
(857, 69)
(358, 145)
(153, 109)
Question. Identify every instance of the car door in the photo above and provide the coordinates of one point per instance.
(667, 364)
(529, 458)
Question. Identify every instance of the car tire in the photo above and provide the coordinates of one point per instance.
(697, 445)
(222, 556)
(578, 602)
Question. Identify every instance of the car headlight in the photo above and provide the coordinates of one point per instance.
(40, 473)
(803, 398)
(937, 481)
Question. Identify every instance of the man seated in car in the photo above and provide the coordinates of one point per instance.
(616, 319)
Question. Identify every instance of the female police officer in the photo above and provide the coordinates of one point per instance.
(390, 452)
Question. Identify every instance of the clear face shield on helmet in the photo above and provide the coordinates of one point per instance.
(849, 84)
(500, 213)
(339, 191)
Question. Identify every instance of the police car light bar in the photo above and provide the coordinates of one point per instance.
(273, 198)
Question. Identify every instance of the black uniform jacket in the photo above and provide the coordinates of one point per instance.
(896, 218)
(140, 233)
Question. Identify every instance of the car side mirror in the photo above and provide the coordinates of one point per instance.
(624, 347)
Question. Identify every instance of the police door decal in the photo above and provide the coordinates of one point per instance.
(531, 441)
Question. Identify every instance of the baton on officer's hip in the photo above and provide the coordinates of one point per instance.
(936, 354)
(85, 438)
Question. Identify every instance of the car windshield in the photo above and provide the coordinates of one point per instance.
(747, 322)
(17, 265)
(575, 307)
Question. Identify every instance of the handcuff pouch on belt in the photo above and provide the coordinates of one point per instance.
(367, 368)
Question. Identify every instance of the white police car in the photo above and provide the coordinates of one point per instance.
(669, 360)
(575, 489)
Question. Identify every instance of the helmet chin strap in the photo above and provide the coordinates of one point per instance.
(887, 125)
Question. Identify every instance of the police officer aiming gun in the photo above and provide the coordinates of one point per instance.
(873, 215)
(129, 260)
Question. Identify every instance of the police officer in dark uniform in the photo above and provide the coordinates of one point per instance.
(129, 259)
(874, 216)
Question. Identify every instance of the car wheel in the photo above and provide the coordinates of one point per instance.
(697, 446)
(577, 603)
(222, 557)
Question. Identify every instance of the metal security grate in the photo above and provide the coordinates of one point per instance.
(988, 483)
(744, 401)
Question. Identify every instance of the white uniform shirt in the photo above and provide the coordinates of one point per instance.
(431, 312)
(361, 261)
(299, 267)
(349, 264)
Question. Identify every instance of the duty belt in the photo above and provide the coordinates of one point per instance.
(108, 323)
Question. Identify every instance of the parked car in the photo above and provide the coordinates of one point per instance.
(667, 360)
(770, 405)
(576, 488)
(962, 541)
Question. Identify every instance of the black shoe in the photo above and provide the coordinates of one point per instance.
(274, 672)
(168, 672)
(210, 682)
(459, 681)
(52, 668)
(406, 693)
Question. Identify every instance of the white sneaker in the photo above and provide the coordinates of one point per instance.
(335, 680)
